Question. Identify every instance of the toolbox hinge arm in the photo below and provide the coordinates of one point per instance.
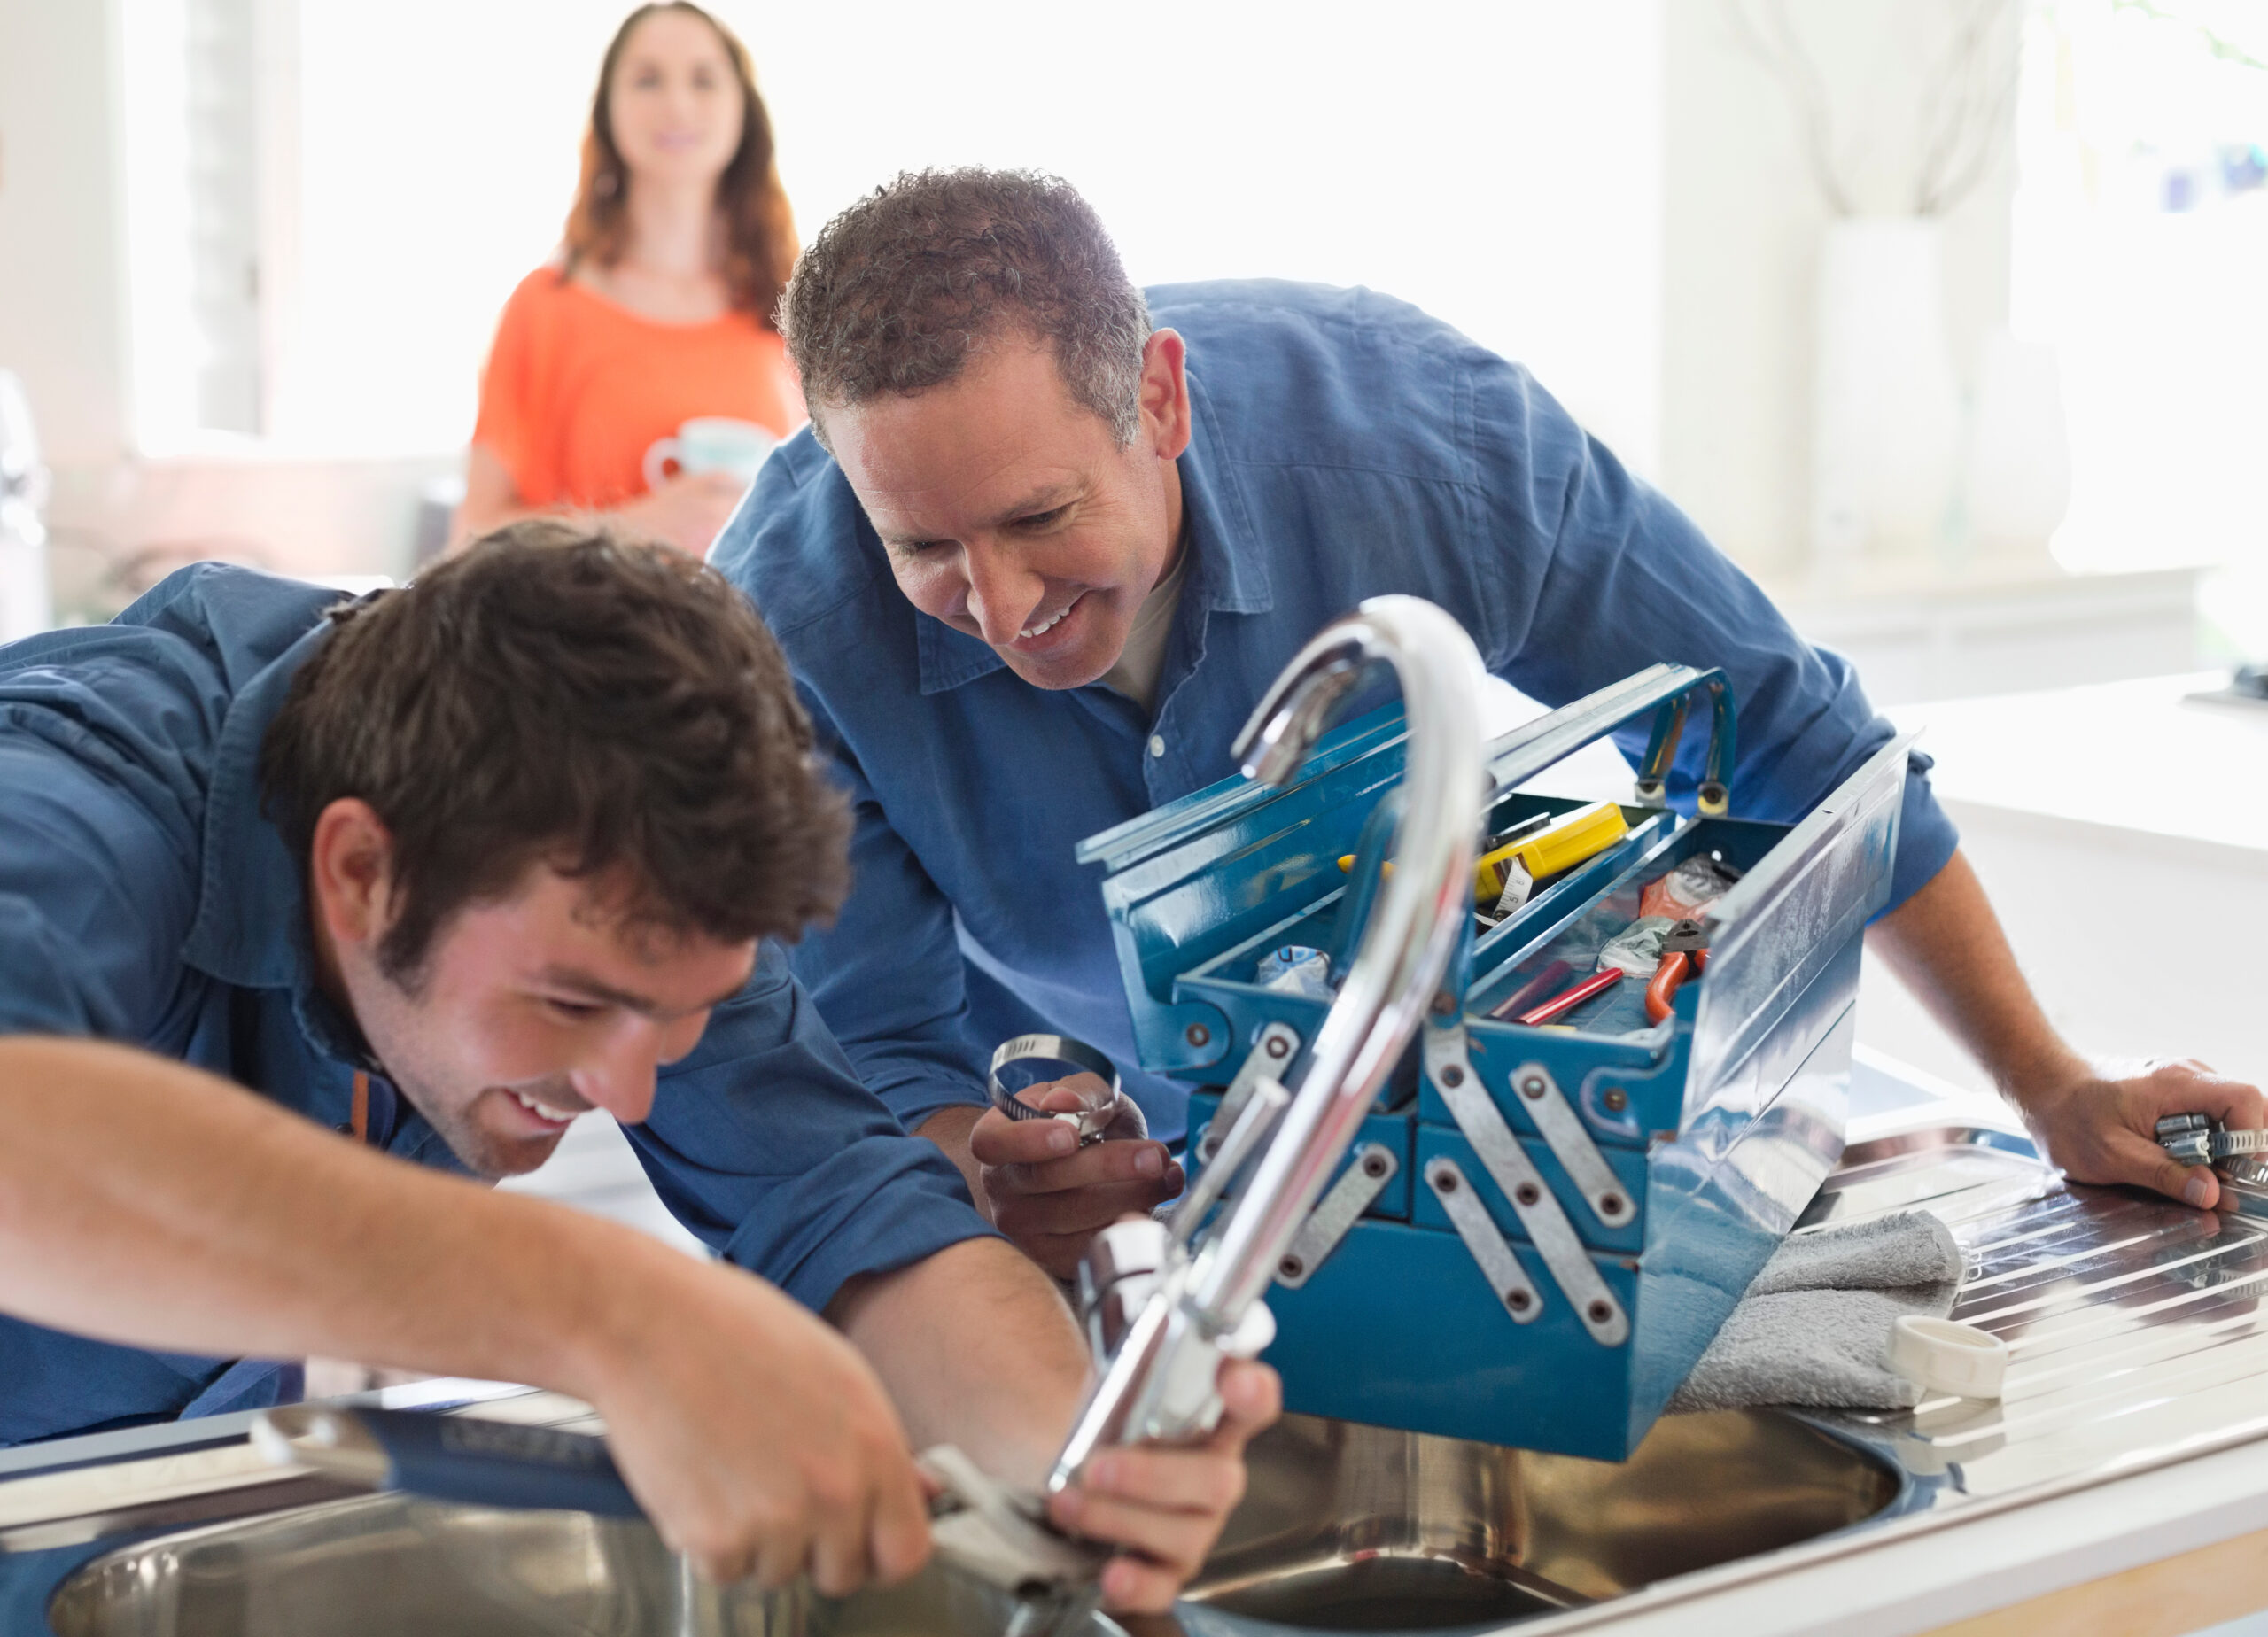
(1358, 1187)
(1562, 1129)
(1523, 1186)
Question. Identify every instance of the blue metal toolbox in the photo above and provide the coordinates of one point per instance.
(1540, 1228)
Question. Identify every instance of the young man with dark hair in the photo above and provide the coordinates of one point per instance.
(441, 870)
(1070, 530)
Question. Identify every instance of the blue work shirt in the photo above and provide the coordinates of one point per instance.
(144, 899)
(1343, 446)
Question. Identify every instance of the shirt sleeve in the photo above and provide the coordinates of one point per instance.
(507, 393)
(99, 830)
(764, 1145)
(1604, 576)
(890, 974)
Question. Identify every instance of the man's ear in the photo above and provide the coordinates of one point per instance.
(350, 872)
(1165, 395)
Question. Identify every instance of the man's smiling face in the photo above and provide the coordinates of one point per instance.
(529, 1009)
(1011, 512)
(538, 1007)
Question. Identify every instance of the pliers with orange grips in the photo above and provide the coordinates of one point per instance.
(1685, 951)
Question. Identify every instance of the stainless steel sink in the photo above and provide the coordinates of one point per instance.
(386, 1566)
(1355, 1528)
(1347, 1528)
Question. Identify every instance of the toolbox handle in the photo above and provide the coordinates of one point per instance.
(1535, 746)
(1513, 758)
(1371, 851)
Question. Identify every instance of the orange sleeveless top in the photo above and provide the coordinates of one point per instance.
(578, 388)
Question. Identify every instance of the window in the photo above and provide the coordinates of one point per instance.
(194, 107)
(2141, 251)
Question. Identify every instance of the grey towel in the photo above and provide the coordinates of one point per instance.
(1814, 1327)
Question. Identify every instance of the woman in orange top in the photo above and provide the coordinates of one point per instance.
(658, 309)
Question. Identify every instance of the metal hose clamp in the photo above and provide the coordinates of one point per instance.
(2199, 1139)
(1079, 1056)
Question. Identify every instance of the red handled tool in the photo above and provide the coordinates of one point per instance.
(1685, 950)
(1567, 1000)
(1532, 991)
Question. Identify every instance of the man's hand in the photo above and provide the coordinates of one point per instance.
(759, 1440)
(1165, 1504)
(979, 1350)
(1048, 1194)
(2100, 1129)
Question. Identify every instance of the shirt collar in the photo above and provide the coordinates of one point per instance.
(251, 928)
(1229, 576)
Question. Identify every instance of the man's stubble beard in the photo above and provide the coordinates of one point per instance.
(457, 1122)
(459, 1126)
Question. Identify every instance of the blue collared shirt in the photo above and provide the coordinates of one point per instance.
(1344, 446)
(143, 899)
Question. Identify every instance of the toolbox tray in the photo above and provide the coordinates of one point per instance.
(1664, 1164)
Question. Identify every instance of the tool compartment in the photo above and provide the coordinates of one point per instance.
(1538, 1230)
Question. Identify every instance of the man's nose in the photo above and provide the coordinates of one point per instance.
(1002, 594)
(619, 1077)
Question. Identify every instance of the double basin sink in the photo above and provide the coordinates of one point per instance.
(1344, 1528)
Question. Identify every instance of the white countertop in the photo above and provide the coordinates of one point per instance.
(2138, 756)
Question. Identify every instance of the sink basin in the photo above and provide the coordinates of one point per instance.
(1358, 1528)
(1344, 1528)
(387, 1566)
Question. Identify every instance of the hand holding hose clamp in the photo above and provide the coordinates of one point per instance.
(1090, 1122)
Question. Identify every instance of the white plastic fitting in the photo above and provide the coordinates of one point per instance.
(1946, 1357)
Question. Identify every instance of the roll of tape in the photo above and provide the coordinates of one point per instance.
(1077, 1056)
(1946, 1357)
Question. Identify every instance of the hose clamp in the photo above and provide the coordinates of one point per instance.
(1079, 1057)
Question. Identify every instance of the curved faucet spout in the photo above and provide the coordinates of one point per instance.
(1158, 1383)
(1415, 920)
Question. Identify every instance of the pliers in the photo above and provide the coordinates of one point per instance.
(1685, 950)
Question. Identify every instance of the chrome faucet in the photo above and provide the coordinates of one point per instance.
(1158, 1381)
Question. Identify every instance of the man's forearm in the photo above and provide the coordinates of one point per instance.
(1946, 945)
(151, 1204)
(976, 1346)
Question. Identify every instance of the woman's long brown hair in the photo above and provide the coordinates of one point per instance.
(759, 231)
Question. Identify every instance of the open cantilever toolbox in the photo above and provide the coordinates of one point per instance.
(1538, 1230)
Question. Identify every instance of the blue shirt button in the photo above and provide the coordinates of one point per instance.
(1157, 744)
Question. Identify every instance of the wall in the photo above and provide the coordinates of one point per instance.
(1498, 162)
(1741, 231)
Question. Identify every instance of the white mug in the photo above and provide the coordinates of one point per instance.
(710, 443)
